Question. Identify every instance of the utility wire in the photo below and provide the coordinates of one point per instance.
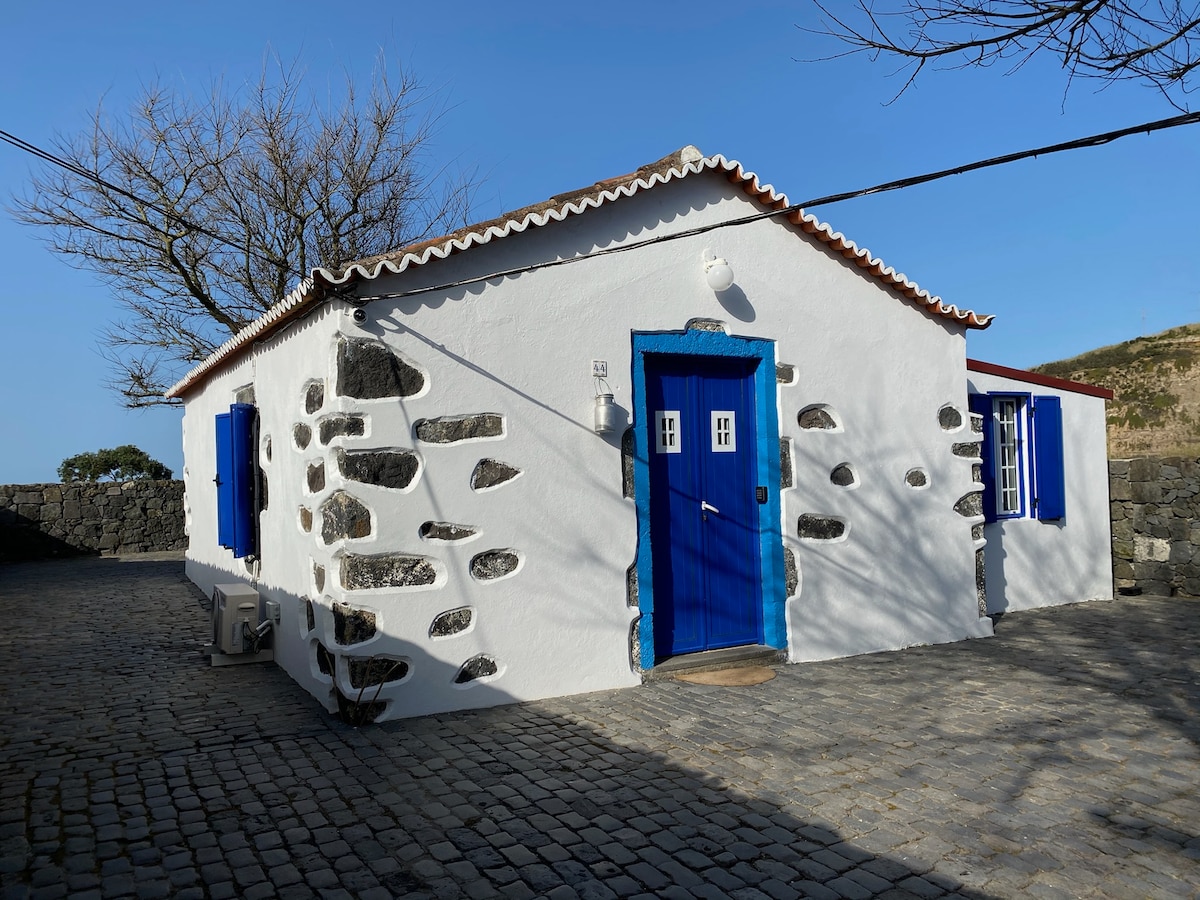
(1094, 140)
(171, 215)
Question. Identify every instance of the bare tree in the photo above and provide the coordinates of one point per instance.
(1156, 42)
(238, 195)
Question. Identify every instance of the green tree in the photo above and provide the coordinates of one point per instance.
(123, 463)
(212, 208)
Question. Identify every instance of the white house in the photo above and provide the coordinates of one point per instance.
(659, 416)
(1045, 498)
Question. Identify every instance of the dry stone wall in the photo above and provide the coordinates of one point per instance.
(40, 521)
(1156, 525)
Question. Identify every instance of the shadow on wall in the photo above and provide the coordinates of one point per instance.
(22, 538)
(917, 586)
(595, 806)
(364, 684)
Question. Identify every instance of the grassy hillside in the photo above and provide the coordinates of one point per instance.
(1156, 383)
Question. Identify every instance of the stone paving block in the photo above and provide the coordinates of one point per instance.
(832, 773)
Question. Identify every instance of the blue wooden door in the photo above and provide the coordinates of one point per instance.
(703, 512)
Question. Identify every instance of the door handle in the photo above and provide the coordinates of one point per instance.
(705, 506)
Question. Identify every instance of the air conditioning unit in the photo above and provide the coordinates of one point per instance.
(235, 616)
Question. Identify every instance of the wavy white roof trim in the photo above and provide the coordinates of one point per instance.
(689, 162)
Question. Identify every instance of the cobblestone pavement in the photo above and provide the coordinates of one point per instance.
(1058, 759)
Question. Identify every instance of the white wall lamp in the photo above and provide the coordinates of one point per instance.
(717, 272)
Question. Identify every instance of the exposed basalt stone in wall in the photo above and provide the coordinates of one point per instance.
(244, 394)
(387, 570)
(40, 521)
(970, 505)
(816, 417)
(631, 586)
(452, 429)
(843, 476)
(445, 531)
(492, 564)
(977, 532)
(627, 464)
(340, 426)
(314, 396)
(1155, 508)
(452, 621)
(916, 478)
(950, 418)
(820, 528)
(369, 370)
(375, 670)
(966, 449)
(786, 476)
(310, 617)
(785, 374)
(302, 435)
(344, 517)
(977, 473)
(326, 662)
(699, 324)
(489, 473)
(476, 667)
(266, 447)
(386, 468)
(316, 477)
(976, 423)
(305, 519)
(791, 573)
(352, 626)
(318, 576)
(980, 582)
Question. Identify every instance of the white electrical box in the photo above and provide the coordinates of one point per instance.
(234, 616)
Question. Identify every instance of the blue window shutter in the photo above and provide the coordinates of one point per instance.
(1050, 500)
(982, 404)
(242, 421)
(224, 481)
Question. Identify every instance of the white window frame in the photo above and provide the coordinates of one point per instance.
(1010, 455)
(667, 435)
(723, 424)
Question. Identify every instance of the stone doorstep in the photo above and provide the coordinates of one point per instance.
(709, 660)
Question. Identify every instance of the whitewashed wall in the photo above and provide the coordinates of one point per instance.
(522, 347)
(1031, 564)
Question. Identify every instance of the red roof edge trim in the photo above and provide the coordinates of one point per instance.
(1062, 384)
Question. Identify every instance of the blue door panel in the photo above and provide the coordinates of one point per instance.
(703, 514)
(224, 481)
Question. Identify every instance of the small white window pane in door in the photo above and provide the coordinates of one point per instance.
(666, 431)
(1008, 457)
(724, 437)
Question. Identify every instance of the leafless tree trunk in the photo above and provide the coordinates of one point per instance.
(1152, 41)
(239, 194)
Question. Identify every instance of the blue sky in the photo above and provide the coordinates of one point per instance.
(1070, 252)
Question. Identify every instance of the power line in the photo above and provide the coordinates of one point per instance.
(171, 215)
(1094, 140)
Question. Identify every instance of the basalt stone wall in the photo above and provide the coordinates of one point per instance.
(1156, 525)
(38, 521)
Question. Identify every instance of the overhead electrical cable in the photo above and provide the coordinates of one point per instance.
(169, 214)
(1094, 140)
